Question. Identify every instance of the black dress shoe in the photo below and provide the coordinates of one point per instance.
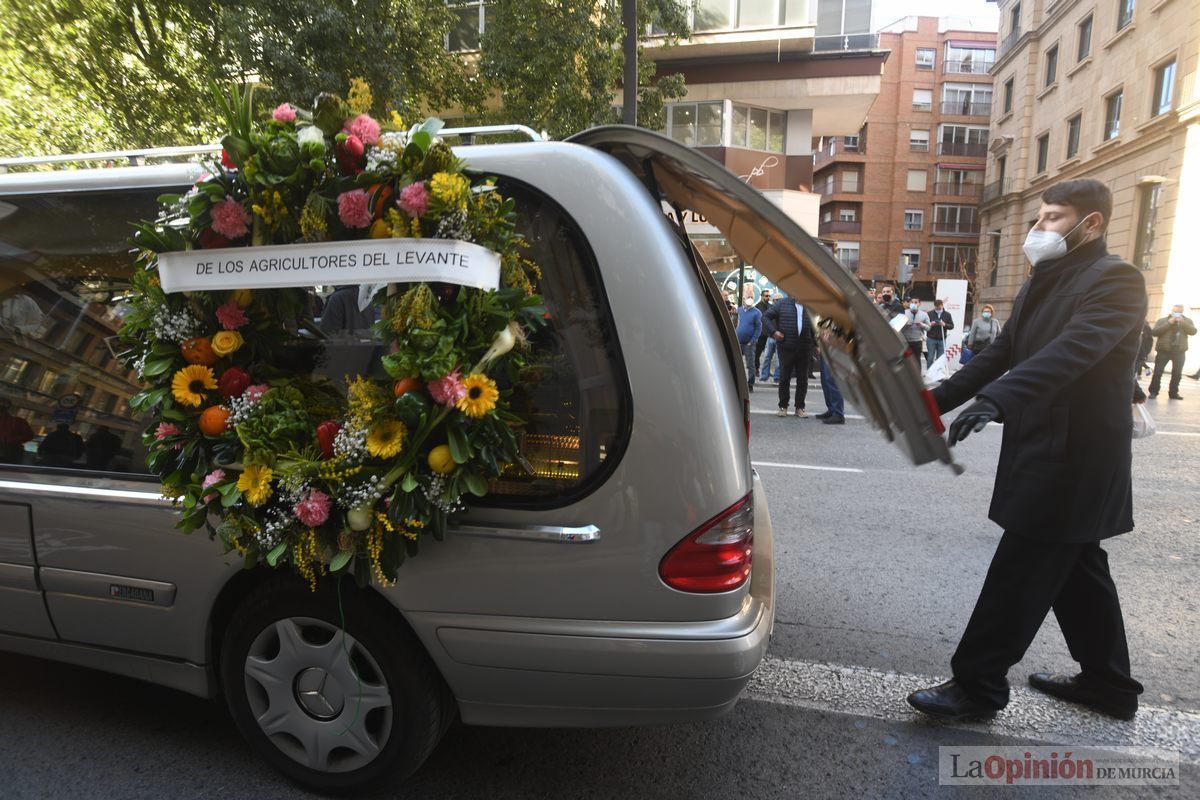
(824, 415)
(950, 701)
(1175, 396)
(1076, 690)
(834, 420)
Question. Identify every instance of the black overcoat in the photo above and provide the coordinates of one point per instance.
(1061, 372)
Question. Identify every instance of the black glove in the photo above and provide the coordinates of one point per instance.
(973, 420)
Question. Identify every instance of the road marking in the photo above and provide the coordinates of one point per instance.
(1030, 715)
(804, 466)
(772, 413)
(1176, 433)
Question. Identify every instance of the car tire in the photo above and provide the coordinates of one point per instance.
(336, 710)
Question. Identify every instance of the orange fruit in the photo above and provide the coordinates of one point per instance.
(198, 350)
(214, 420)
(406, 385)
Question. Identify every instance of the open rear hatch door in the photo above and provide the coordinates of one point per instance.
(869, 360)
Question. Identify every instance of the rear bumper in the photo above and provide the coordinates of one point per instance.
(585, 673)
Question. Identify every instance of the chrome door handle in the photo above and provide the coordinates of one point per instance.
(532, 533)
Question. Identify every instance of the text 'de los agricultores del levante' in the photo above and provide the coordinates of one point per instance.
(365, 261)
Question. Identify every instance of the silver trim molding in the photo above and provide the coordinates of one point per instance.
(532, 533)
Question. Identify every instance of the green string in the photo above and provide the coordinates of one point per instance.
(346, 650)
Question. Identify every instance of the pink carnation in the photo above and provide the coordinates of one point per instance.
(364, 128)
(414, 199)
(448, 390)
(213, 477)
(354, 208)
(166, 429)
(254, 393)
(284, 113)
(231, 316)
(229, 219)
(313, 510)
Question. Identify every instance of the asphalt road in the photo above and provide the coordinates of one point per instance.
(879, 563)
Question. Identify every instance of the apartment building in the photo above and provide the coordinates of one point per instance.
(1101, 89)
(906, 187)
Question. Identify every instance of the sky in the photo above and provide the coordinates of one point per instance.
(983, 13)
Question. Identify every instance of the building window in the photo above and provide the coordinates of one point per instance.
(827, 216)
(953, 259)
(850, 144)
(957, 220)
(1043, 153)
(968, 60)
(847, 215)
(1124, 13)
(925, 57)
(922, 100)
(1148, 200)
(913, 257)
(776, 122)
(1073, 126)
(1008, 94)
(1085, 39)
(847, 253)
(718, 15)
(850, 181)
(695, 124)
(918, 140)
(1001, 169)
(914, 219)
(1112, 115)
(468, 26)
(967, 99)
(962, 140)
(964, 182)
(1052, 65)
(756, 128)
(995, 236)
(1164, 89)
(1014, 20)
(917, 179)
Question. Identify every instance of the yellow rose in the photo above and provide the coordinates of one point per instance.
(226, 342)
(380, 230)
(242, 297)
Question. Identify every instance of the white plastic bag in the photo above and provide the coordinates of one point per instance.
(1143, 423)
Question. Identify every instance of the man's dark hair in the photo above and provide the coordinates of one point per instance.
(1085, 195)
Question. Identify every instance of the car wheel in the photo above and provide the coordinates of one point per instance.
(335, 710)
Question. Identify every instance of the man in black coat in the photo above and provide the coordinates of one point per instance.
(1060, 377)
(788, 322)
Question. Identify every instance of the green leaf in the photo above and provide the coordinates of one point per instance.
(460, 446)
(409, 483)
(340, 560)
(476, 484)
(276, 552)
(422, 139)
(231, 499)
(157, 366)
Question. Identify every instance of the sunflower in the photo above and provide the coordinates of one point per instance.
(386, 438)
(255, 483)
(481, 395)
(189, 384)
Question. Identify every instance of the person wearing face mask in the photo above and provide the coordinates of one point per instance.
(749, 327)
(983, 331)
(1171, 334)
(940, 322)
(916, 322)
(888, 303)
(1059, 376)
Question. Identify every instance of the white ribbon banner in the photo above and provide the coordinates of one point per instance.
(371, 261)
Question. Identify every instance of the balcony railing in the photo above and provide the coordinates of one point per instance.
(841, 42)
(839, 147)
(956, 228)
(958, 189)
(962, 108)
(838, 226)
(962, 149)
(996, 189)
(839, 187)
(1008, 42)
(967, 66)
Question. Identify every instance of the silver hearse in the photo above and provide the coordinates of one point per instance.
(629, 580)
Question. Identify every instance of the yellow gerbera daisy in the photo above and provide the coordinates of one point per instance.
(255, 484)
(386, 438)
(190, 383)
(481, 395)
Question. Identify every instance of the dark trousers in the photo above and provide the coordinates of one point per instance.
(758, 348)
(916, 349)
(1028, 578)
(834, 404)
(1161, 359)
(793, 362)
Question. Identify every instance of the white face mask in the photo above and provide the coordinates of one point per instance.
(749, 301)
(1047, 245)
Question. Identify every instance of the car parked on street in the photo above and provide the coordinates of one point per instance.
(628, 580)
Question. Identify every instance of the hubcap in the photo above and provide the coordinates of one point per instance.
(318, 694)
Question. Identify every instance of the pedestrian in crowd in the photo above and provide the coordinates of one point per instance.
(888, 302)
(14, 433)
(789, 325)
(983, 331)
(1059, 376)
(101, 448)
(342, 314)
(1147, 344)
(835, 406)
(940, 322)
(916, 322)
(1171, 332)
(762, 305)
(62, 447)
(771, 351)
(749, 327)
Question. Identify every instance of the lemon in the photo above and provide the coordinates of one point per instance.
(440, 460)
